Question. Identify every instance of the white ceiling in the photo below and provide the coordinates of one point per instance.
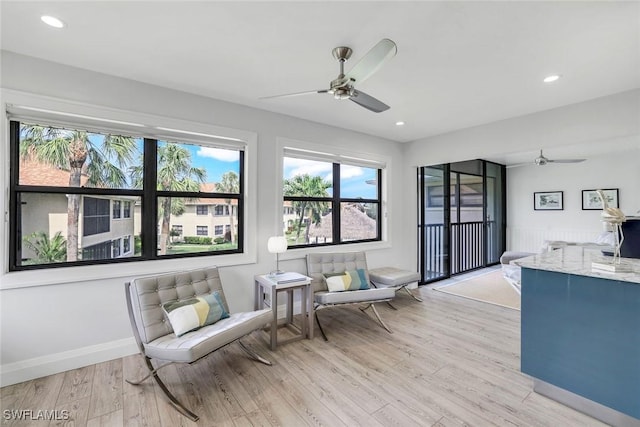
(459, 64)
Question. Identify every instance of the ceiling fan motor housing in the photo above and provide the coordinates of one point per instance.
(541, 161)
(345, 92)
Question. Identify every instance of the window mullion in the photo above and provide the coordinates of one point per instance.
(149, 207)
(14, 197)
(336, 203)
(240, 208)
(379, 203)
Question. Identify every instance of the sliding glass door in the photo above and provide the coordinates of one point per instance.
(461, 219)
(467, 218)
(433, 223)
(495, 213)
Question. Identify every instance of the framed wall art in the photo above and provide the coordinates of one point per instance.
(591, 200)
(548, 201)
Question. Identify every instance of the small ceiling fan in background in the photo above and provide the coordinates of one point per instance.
(343, 87)
(541, 160)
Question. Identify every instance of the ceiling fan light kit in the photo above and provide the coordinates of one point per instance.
(343, 87)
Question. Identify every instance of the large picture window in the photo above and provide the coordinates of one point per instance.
(78, 197)
(329, 202)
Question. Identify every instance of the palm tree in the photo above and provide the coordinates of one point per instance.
(175, 173)
(229, 184)
(102, 162)
(307, 186)
(47, 250)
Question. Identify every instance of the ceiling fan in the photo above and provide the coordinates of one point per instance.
(343, 87)
(541, 160)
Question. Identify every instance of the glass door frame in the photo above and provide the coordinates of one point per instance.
(447, 244)
(446, 225)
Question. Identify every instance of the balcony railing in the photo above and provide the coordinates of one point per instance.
(467, 251)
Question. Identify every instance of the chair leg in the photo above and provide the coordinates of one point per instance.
(391, 305)
(253, 354)
(315, 314)
(153, 372)
(412, 294)
(375, 311)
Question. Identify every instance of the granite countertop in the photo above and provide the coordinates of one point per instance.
(577, 260)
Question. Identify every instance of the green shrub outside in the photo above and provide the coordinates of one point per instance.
(197, 240)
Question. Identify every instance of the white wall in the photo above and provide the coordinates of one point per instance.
(528, 229)
(60, 326)
(608, 122)
(73, 322)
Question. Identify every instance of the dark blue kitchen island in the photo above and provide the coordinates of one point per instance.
(581, 333)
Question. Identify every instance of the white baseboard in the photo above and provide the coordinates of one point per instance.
(25, 370)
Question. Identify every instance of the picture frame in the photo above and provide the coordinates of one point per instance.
(548, 201)
(591, 200)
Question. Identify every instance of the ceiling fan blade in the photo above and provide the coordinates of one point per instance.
(515, 165)
(566, 160)
(295, 94)
(373, 60)
(368, 102)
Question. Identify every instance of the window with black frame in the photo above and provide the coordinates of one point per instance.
(327, 202)
(85, 197)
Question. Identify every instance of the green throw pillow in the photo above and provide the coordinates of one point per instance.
(352, 280)
(191, 314)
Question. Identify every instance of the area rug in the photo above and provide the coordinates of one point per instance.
(490, 287)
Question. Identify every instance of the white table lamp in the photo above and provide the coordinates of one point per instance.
(277, 245)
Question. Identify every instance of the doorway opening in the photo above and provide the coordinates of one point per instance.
(461, 218)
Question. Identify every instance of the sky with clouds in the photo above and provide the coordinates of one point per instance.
(355, 181)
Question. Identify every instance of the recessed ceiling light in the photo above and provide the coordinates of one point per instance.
(401, 123)
(552, 78)
(52, 21)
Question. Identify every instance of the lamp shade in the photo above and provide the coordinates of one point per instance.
(277, 244)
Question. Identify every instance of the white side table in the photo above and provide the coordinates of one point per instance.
(267, 284)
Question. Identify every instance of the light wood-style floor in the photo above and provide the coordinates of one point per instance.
(451, 361)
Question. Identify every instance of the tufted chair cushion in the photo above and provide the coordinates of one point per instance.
(320, 264)
(148, 294)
